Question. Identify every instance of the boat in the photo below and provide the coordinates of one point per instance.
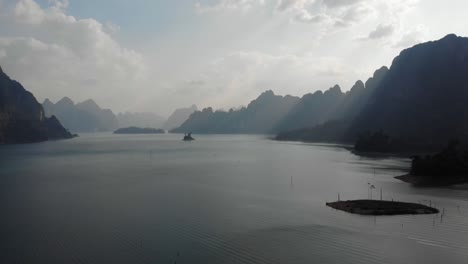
(188, 137)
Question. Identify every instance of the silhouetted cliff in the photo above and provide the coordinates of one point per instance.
(420, 103)
(178, 117)
(423, 97)
(22, 118)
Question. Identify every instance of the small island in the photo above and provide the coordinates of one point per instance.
(188, 137)
(377, 207)
(139, 130)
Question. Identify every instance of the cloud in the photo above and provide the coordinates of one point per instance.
(222, 5)
(54, 54)
(357, 13)
(60, 4)
(341, 3)
(332, 12)
(112, 28)
(306, 17)
(290, 46)
(412, 37)
(382, 31)
(29, 12)
(344, 13)
(240, 76)
(401, 6)
(287, 4)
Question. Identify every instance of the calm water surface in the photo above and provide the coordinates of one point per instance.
(105, 198)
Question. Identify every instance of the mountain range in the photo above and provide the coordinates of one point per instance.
(86, 116)
(420, 100)
(271, 114)
(260, 116)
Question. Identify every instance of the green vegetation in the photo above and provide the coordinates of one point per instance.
(380, 142)
(450, 166)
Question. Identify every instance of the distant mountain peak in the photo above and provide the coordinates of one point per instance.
(336, 87)
(65, 101)
(89, 105)
(207, 110)
(450, 37)
(267, 93)
(359, 85)
(335, 90)
(86, 116)
(90, 102)
(381, 69)
(378, 74)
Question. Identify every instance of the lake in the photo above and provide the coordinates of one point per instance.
(104, 198)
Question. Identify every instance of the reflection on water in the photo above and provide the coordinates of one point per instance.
(220, 199)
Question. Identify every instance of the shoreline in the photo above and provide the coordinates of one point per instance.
(423, 181)
(349, 146)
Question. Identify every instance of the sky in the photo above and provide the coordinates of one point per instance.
(158, 55)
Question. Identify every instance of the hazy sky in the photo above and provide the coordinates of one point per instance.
(156, 55)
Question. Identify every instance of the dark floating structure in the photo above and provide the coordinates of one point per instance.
(188, 137)
(377, 207)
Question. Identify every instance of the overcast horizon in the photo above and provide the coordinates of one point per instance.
(155, 56)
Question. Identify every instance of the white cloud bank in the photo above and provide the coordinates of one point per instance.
(56, 55)
(242, 48)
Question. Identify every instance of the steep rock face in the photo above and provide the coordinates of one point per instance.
(22, 118)
(260, 116)
(179, 116)
(86, 116)
(423, 97)
(356, 99)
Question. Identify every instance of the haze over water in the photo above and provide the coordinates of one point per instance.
(105, 198)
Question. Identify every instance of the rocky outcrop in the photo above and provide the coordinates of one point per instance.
(22, 118)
